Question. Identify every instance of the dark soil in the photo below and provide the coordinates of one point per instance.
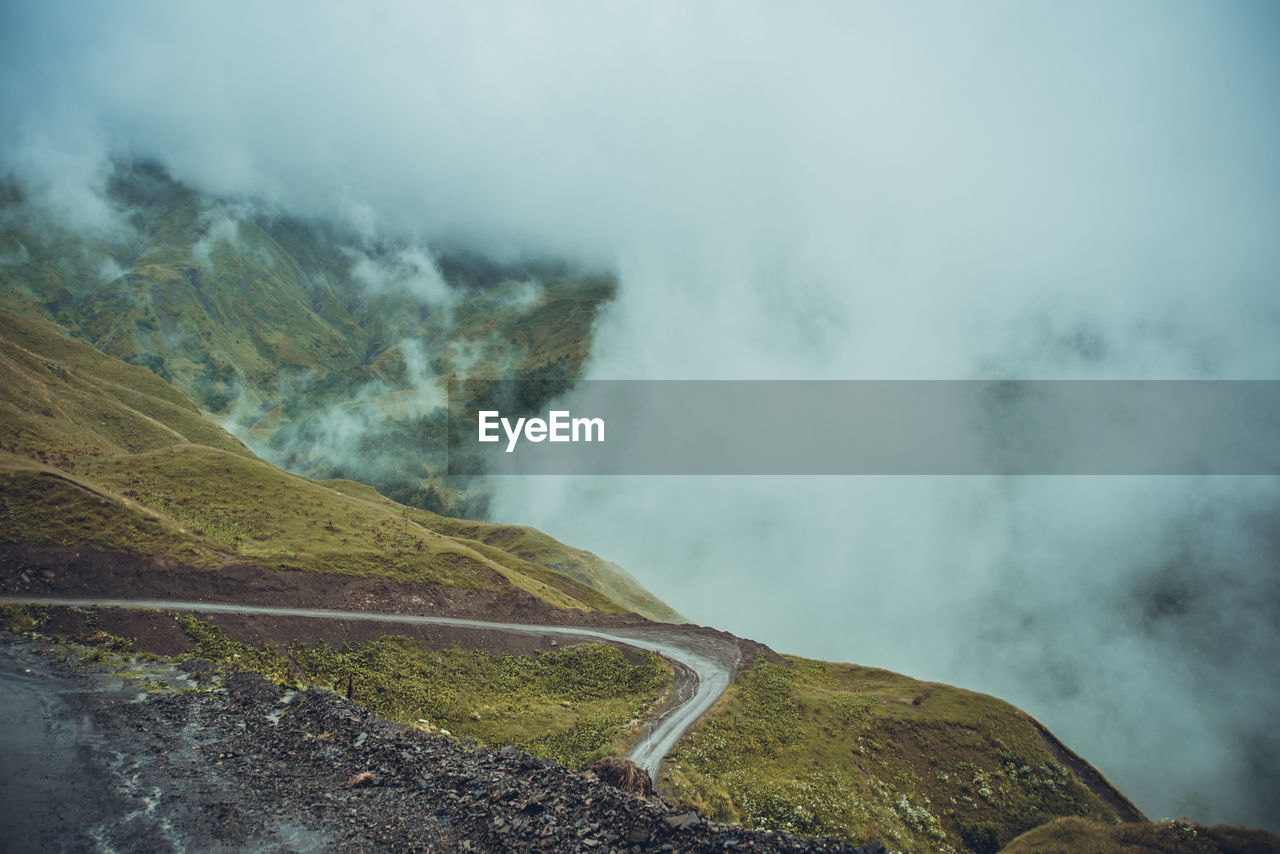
(91, 571)
(1090, 776)
(89, 762)
(158, 632)
(88, 571)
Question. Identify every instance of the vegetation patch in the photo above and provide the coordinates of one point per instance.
(857, 753)
(23, 619)
(41, 507)
(1082, 836)
(575, 705)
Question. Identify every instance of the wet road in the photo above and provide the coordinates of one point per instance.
(46, 750)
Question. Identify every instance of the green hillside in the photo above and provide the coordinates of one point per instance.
(860, 754)
(1081, 836)
(326, 351)
(96, 451)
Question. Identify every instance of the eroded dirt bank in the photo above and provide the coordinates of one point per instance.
(94, 763)
(92, 571)
(80, 571)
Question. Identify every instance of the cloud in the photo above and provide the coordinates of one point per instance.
(409, 272)
(222, 228)
(833, 190)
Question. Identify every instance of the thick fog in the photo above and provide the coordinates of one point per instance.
(818, 190)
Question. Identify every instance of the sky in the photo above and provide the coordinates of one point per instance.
(797, 191)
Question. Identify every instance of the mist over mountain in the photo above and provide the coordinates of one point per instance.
(327, 352)
(841, 191)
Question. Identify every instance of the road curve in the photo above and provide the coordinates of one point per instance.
(711, 660)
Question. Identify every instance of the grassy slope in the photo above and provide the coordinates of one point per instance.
(61, 397)
(1081, 836)
(97, 451)
(574, 705)
(533, 546)
(862, 754)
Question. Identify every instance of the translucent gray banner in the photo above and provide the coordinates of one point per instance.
(867, 427)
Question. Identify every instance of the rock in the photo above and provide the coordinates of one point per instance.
(624, 774)
(251, 688)
(197, 668)
(680, 822)
(359, 781)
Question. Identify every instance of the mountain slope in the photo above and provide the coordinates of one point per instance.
(858, 753)
(1071, 835)
(98, 452)
(327, 351)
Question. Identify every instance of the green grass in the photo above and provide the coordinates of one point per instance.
(63, 398)
(23, 619)
(1082, 836)
(860, 754)
(574, 705)
(261, 514)
(533, 546)
(47, 508)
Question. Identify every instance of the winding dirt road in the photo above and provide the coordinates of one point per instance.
(704, 664)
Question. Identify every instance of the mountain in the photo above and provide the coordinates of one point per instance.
(326, 351)
(128, 347)
(97, 452)
(100, 454)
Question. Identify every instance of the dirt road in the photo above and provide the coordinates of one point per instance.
(705, 663)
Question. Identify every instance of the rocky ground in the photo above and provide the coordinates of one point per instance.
(92, 761)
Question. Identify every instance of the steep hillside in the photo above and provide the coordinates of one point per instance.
(97, 452)
(530, 544)
(1082, 836)
(325, 350)
(859, 753)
